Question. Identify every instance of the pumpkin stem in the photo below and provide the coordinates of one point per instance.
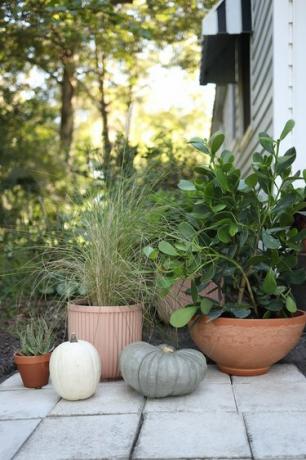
(168, 349)
(73, 337)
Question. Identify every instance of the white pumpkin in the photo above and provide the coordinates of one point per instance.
(75, 369)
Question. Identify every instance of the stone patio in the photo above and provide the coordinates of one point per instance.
(261, 418)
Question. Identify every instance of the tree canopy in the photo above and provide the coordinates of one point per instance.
(67, 64)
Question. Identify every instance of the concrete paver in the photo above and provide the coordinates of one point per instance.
(213, 375)
(277, 437)
(280, 373)
(261, 397)
(90, 437)
(110, 398)
(225, 418)
(208, 397)
(21, 404)
(186, 435)
(13, 433)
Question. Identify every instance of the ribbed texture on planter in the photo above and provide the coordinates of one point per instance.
(109, 329)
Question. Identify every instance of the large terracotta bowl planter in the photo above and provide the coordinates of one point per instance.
(109, 329)
(34, 370)
(247, 346)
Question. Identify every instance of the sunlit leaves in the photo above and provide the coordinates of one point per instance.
(218, 207)
(199, 144)
(186, 230)
(227, 156)
(285, 161)
(150, 252)
(215, 142)
(167, 248)
(251, 180)
(164, 284)
(269, 241)
(223, 234)
(206, 305)
(186, 185)
(287, 129)
(182, 316)
(267, 142)
(222, 178)
(269, 284)
(291, 305)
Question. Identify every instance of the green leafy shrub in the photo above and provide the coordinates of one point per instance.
(238, 234)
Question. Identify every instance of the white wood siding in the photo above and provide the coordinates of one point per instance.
(261, 69)
(261, 87)
(278, 72)
(289, 67)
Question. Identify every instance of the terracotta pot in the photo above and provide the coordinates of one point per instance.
(109, 329)
(247, 346)
(177, 298)
(34, 370)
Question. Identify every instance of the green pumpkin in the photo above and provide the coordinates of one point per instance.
(157, 372)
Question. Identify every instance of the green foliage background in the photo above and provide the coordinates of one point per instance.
(88, 56)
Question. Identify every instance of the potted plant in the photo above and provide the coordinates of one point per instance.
(239, 236)
(103, 271)
(32, 360)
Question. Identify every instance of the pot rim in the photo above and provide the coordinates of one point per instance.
(31, 359)
(299, 317)
(104, 309)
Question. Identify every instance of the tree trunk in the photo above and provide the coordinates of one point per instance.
(106, 144)
(67, 109)
(100, 63)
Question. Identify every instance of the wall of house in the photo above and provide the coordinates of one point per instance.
(261, 76)
(289, 68)
(278, 69)
(261, 70)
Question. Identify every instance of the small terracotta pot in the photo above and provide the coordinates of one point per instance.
(109, 329)
(247, 346)
(34, 370)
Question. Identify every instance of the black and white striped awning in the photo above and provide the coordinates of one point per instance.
(228, 17)
(227, 20)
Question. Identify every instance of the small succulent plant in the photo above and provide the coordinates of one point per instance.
(36, 337)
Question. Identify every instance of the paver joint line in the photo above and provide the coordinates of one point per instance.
(105, 414)
(27, 438)
(248, 435)
(141, 420)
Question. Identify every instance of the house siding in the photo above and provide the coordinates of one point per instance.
(261, 88)
(289, 98)
(261, 70)
(277, 83)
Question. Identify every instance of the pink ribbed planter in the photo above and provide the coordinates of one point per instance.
(109, 329)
